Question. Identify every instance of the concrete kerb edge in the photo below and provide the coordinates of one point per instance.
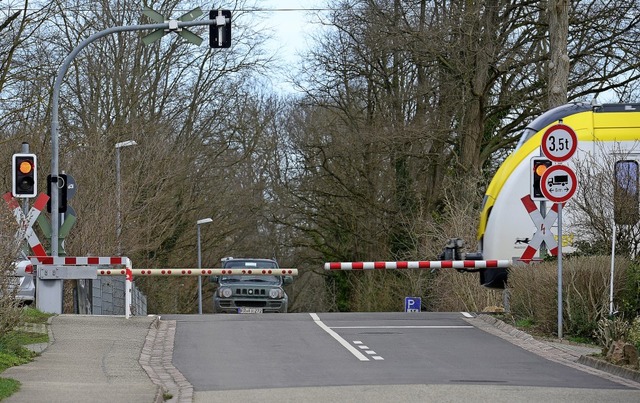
(39, 348)
(156, 360)
(610, 368)
(145, 359)
(524, 340)
(50, 331)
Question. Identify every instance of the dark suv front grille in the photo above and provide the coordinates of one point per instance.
(251, 291)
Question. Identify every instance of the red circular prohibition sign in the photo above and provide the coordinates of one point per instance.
(555, 142)
(547, 182)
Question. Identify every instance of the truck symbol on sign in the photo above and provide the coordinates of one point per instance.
(558, 180)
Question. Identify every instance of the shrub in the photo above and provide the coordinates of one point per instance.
(10, 312)
(585, 291)
(633, 335)
(611, 330)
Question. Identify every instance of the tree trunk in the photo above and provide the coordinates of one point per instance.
(558, 14)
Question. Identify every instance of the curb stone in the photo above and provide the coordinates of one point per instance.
(610, 368)
(156, 359)
(549, 351)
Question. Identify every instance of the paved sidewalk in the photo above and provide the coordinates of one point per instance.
(89, 359)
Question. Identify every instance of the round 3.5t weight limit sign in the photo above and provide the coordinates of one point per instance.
(559, 143)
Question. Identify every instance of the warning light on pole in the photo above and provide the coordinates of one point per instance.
(538, 167)
(24, 175)
(220, 32)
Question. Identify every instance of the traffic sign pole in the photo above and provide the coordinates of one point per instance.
(559, 184)
(559, 270)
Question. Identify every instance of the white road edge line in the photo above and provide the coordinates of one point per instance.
(339, 339)
(466, 314)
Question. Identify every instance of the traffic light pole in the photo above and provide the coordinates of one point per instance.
(50, 295)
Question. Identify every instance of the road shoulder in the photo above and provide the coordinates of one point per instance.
(575, 356)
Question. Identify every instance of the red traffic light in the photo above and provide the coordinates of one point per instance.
(24, 176)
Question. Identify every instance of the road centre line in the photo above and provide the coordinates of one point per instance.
(403, 327)
(339, 339)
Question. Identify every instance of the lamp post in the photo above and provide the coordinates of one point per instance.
(118, 209)
(198, 223)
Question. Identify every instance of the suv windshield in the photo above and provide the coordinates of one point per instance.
(250, 264)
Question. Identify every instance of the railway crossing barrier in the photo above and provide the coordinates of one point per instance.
(85, 267)
(424, 264)
(90, 267)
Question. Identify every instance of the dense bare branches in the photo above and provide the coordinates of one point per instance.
(407, 107)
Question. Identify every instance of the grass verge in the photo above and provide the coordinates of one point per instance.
(13, 352)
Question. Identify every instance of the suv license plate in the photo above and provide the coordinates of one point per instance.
(249, 310)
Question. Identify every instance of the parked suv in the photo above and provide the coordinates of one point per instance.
(250, 293)
(20, 280)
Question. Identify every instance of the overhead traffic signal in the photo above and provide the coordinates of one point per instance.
(220, 32)
(24, 175)
(538, 166)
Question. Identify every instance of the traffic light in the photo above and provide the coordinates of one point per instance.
(24, 175)
(220, 32)
(62, 192)
(538, 166)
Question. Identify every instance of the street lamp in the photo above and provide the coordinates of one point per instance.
(198, 223)
(118, 209)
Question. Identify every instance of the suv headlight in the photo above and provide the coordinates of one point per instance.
(225, 292)
(275, 293)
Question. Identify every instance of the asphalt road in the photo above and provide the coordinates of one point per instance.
(379, 355)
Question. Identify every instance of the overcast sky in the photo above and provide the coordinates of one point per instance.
(289, 23)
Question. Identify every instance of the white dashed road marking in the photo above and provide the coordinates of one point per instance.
(367, 350)
(339, 339)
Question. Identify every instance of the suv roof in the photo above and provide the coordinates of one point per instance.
(250, 263)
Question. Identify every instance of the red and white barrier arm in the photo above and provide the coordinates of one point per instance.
(200, 272)
(432, 264)
(80, 260)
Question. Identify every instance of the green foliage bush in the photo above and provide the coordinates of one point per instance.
(633, 336)
(629, 303)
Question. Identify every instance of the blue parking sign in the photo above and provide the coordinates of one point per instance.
(412, 304)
